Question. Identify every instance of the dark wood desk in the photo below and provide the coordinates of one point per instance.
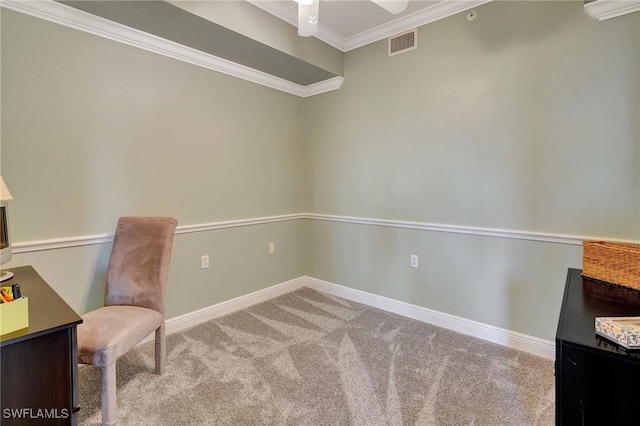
(596, 380)
(39, 363)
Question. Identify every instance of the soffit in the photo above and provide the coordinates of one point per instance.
(172, 23)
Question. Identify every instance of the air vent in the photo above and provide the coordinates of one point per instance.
(403, 42)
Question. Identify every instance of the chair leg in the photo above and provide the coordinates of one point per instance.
(161, 349)
(109, 414)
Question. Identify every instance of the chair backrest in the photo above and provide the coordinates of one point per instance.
(139, 263)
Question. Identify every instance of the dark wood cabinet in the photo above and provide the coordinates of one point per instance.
(39, 363)
(597, 381)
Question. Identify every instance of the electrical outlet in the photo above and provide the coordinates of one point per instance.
(205, 261)
(272, 248)
(414, 260)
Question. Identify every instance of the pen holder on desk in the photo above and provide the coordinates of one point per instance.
(14, 315)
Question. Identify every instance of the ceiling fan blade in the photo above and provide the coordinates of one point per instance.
(392, 6)
(308, 16)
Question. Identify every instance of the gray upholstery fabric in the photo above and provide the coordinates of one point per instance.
(109, 332)
(135, 295)
(139, 263)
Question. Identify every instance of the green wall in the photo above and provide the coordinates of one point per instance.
(93, 130)
(526, 120)
(239, 264)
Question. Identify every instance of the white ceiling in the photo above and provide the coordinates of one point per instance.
(348, 24)
(350, 18)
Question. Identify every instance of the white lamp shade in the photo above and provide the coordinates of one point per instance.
(4, 191)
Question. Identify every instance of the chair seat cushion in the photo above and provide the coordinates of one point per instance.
(109, 332)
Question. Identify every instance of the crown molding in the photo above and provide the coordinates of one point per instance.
(68, 16)
(440, 10)
(322, 87)
(280, 9)
(430, 14)
(607, 9)
(331, 37)
(288, 13)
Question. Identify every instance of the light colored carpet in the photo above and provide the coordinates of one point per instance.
(307, 358)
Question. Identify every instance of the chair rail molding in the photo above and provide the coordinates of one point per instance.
(607, 9)
(87, 240)
(543, 237)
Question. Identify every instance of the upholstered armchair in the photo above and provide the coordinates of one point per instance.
(134, 303)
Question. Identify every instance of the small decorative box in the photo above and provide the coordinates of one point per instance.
(624, 331)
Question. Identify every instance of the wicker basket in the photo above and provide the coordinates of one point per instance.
(615, 263)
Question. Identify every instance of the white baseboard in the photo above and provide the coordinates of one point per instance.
(512, 339)
(190, 319)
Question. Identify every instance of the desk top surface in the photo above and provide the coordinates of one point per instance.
(586, 299)
(48, 312)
